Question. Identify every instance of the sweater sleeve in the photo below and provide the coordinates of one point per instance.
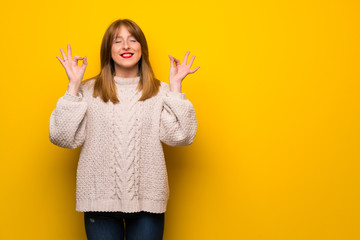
(68, 121)
(178, 122)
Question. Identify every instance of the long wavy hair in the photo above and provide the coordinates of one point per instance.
(104, 85)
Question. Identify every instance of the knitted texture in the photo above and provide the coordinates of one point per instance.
(122, 165)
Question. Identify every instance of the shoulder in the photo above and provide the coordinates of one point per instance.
(87, 85)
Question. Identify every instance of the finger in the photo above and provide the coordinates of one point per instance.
(192, 60)
(77, 58)
(69, 51)
(61, 61)
(177, 61)
(85, 61)
(186, 57)
(171, 60)
(63, 54)
(194, 70)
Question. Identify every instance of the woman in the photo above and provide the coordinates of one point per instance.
(120, 117)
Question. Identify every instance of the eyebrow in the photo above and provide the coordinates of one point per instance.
(121, 36)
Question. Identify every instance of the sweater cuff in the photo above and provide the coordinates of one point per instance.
(73, 98)
(176, 95)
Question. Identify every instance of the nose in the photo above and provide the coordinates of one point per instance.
(126, 45)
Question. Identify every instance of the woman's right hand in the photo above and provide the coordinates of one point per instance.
(74, 72)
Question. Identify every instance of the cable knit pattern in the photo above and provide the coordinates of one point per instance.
(122, 165)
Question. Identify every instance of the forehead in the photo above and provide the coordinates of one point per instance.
(122, 31)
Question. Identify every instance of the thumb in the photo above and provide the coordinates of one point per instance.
(85, 61)
(171, 61)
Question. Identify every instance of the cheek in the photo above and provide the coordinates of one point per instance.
(112, 53)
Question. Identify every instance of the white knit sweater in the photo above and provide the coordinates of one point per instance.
(122, 165)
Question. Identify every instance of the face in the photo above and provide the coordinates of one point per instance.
(126, 53)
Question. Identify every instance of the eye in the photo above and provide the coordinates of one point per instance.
(133, 40)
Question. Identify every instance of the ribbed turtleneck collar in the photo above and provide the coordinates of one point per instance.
(127, 81)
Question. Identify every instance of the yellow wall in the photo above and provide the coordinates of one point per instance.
(276, 154)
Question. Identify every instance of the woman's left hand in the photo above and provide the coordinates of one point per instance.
(179, 71)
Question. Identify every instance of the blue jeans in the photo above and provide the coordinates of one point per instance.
(116, 225)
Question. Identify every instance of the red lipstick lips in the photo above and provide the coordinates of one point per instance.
(128, 55)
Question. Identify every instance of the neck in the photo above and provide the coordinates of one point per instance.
(127, 81)
(126, 72)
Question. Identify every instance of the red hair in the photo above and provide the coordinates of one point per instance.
(104, 82)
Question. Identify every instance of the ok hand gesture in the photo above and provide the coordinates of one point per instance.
(74, 72)
(179, 71)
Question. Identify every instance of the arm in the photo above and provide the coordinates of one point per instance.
(178, 121)
(68, 121)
